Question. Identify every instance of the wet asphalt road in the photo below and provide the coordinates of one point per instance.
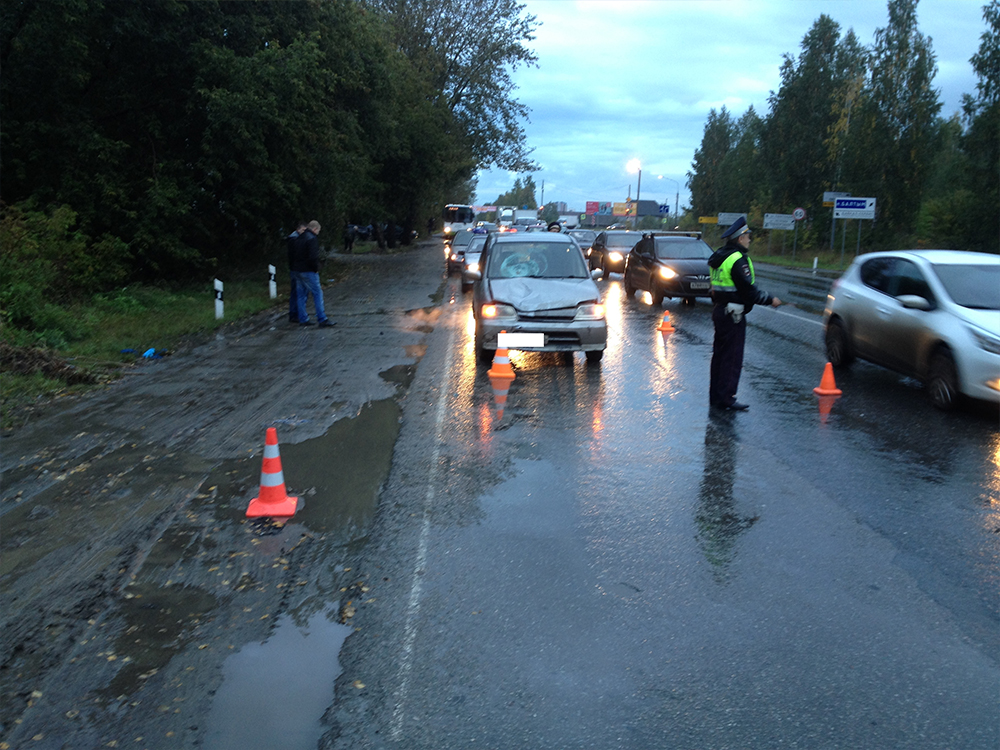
(608, 565)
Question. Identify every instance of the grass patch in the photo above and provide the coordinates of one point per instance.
(110, 332)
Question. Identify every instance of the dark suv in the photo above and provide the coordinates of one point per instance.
(669, 264)
(610, 248)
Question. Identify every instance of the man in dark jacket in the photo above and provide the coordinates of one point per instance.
(734, 293)
(305, 272)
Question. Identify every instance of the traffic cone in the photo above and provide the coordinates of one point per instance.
(501, 376)
(827, 386)
(501, 365)
(272, 500)
(665, 325)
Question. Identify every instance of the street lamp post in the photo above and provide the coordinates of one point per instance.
(634, 166)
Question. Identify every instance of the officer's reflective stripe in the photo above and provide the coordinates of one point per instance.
(268, 479)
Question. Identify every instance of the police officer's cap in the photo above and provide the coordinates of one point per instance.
(737, 228)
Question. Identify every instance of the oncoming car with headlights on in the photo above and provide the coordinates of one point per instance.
(538, 284)
(669, 264)
(610, 248)
(929, 314)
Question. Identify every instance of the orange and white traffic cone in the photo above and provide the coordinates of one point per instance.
(665, 325)
(827, 386)
(501, 367)
(501, 376)
(272, 500)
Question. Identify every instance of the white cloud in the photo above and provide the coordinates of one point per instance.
(622, 79)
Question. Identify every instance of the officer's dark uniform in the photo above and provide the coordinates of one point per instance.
(734, 294)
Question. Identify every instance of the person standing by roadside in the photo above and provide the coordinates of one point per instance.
(350, 233)
(734, 292)
(293, 290)
(305, 271)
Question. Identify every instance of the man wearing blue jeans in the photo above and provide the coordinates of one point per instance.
(305, 273)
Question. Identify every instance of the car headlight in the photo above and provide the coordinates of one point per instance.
(590, 312)
(473, 267)
(667, 273)
(498, 312)
(615, 257)
(989, 343)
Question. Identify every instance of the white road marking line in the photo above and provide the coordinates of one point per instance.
(416, 589)
(779, 311)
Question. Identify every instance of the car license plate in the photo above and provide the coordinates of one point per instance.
(700, 285)
(521, 340)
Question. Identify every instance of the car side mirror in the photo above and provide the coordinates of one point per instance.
(914, 302)
(597, 273)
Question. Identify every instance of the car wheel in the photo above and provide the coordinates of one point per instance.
(629, 288)
(604, 268)
(942, 381)
(657, 296)
(838, 345)
(482, 354)
(595, 357)
(466, 288)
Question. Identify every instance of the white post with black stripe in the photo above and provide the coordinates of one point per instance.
(218, 300)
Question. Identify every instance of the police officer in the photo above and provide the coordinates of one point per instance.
(734, 294)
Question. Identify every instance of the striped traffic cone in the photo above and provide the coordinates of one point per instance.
(501, 376)
(272, 500)
(665, 325)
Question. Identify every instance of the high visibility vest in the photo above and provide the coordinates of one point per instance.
(722, 277)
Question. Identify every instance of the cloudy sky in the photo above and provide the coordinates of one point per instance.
(635, 79)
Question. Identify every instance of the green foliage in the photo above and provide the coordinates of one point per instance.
(44, 263)
(865, 121)
(186, 137)
(522, 195)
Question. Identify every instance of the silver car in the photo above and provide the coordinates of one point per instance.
(930, 314)
(538, 284)
(471, 263)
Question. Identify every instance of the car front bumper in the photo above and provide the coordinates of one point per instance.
(979, 373)
(560, 336)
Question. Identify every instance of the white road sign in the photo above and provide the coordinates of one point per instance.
(854, 208)
(799, 214)
(779, 221)
(726, 219)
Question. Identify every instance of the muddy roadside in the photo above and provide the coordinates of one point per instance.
(129, 575)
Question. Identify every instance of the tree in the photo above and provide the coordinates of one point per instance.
(981, 141)
(892, 149)
(467, 52)
(706, 181)
(522, 195)
(794, 155)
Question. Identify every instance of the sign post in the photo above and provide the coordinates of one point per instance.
(853, 208)
(829, 197)
(798, 214)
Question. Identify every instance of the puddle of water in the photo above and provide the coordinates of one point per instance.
(400, 374)
(342, 471)
(274, 693)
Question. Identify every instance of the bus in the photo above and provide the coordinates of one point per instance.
(457, 217)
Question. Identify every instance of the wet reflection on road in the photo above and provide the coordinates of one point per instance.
(719, 525)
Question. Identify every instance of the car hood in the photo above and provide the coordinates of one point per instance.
(531, 295)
